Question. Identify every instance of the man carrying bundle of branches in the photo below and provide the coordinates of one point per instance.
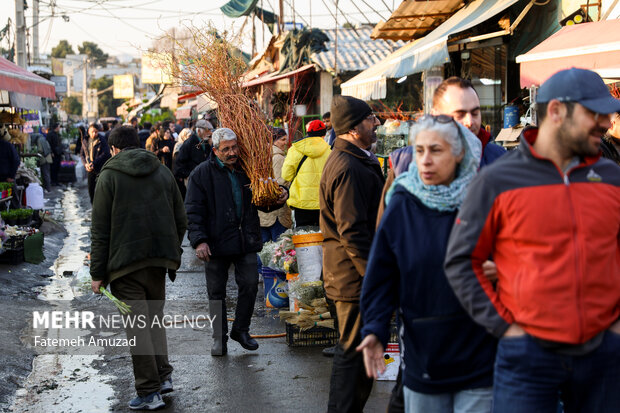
(224, 229)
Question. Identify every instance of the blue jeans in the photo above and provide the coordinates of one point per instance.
(529, 378)
(464, 401)
(273, 232)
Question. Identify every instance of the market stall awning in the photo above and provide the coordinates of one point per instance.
(594, 46)
(18, 80)
(185, 112)
(273, 77)
(422, 54)
(414, 19)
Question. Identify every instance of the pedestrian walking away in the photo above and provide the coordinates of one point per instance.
(132, 184)
(556, 302)
(448, 357)
(303, 167)
(224, 229)
(350, 192)
(57, 150)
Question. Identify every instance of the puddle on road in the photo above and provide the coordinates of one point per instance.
(67, 383)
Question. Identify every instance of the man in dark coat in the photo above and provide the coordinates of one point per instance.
(95, 152)
(350, 192)
(144, 133)
(132, 185)
(610, 144)
(224, 229)
(54, 140)
(9, 161)
(194, 150)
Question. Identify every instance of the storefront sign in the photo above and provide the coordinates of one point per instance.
(155, 68)
(123, 87)
(60, 82)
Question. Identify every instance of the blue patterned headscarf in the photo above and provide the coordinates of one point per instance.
(441, 197)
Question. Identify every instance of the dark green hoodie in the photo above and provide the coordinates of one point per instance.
(138, 217)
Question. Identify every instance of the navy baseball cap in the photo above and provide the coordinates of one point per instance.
(579, 85)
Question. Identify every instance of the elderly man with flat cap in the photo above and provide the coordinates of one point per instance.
(549, 214)
(350, 192)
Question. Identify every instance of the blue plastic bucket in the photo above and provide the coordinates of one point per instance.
(276, 288)
(511, 116)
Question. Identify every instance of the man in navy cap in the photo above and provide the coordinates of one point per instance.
(549, 214)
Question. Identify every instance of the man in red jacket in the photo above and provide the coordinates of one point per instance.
(549, 214)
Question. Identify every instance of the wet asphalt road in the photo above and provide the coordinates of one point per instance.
(273, 378)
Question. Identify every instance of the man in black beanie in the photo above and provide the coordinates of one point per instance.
(350, 192)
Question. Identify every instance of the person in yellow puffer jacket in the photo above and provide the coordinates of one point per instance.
(303, 167)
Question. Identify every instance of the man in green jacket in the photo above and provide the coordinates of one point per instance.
(138, 223)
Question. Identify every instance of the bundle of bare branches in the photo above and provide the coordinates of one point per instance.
(214, 66)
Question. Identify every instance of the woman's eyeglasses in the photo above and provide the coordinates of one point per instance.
(439, 119)
(443, 119)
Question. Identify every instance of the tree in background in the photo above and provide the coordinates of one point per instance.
(95, 54)
(62, 49)
(107, 104)
(71, 105)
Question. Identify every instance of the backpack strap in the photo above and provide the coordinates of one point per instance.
(301, 162)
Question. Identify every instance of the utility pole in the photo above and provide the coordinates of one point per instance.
(20, 34)
(85, 100)
(336, 42)
(35, 31)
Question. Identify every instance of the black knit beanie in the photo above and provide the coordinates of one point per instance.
(348, 112)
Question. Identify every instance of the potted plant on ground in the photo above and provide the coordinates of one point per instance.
(10, 217)
(24, 216)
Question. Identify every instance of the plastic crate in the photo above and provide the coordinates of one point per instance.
(322, 336)
(15, 242)
(12, 257)
(313, 337)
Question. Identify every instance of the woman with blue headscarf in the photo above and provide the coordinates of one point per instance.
(448, 359)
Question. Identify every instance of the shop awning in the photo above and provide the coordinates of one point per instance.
(20, 81)
(414, 19)
(273, 77)
(594, 46)
(422, 54)
(185, 112)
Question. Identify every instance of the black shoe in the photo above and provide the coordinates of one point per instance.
(329, 351)
(244, 338)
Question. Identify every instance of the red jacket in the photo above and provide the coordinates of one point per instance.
(555, 240)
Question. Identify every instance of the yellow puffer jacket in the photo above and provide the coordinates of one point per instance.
(304, 190)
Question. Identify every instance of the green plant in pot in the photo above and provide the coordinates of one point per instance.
(10, 217)
(24, 216)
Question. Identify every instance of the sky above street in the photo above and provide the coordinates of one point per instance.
(122, 27)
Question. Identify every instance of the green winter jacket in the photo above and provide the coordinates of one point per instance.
(138, 217)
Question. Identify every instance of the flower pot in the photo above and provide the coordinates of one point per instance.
(24, 221)
(11, 222)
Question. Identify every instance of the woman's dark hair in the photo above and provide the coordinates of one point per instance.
(124, 137)
(94, 125)
(277, 133)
